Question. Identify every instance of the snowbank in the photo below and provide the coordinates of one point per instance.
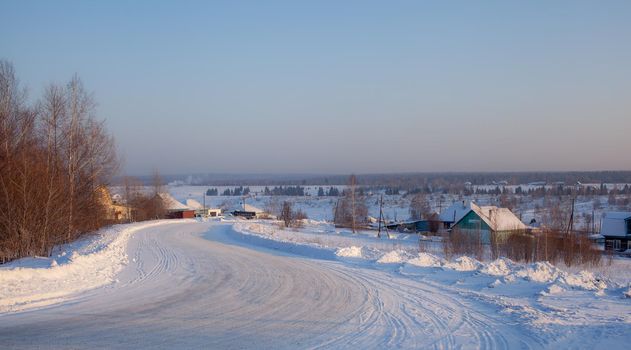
(507, 271)
(90, 263)
(498, 267)
(393, 257)
(349, 252)
(426, 260)
(464, 263)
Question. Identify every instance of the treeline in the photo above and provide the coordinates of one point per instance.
(330, 192)
(284, 191)
(407, 181)
(55, 159)
(237, 191)
(560, 190)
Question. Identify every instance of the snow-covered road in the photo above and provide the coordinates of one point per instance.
(191, 285)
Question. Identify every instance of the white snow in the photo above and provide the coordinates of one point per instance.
(464, 263)
(392, 257)
(426, 260)
(253, 284)
(349, 252)
(498, 267)
(92, 263)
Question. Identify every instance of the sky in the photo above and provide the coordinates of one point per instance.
(340, 86)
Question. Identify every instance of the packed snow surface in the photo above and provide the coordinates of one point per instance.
(225, 284)
(87, 264)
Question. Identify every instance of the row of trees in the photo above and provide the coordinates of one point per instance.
(331, 192)
(554, 246)
(55, 156)
(237, 191)
(285, 191)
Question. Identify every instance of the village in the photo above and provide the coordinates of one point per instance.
(315, 174)
(609, 232)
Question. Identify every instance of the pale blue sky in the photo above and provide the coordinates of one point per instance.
(341, 86)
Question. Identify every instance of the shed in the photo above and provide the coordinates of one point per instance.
(175, 209)
(616, 229)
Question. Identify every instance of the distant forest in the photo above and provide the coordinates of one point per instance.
(404, 180)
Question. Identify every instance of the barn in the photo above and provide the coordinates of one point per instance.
(175, 209)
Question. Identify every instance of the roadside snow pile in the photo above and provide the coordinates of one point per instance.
(92, 263)
(553, 289)
(354, 247)
(498, 267)
(464, 263)
(394, 257)
(426, 260)
(584, 280)
(366, 253)
(349, 252)
(541, 272)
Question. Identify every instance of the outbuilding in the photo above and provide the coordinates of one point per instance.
(175, 209)
(616, 230)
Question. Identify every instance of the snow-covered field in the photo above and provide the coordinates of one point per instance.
(249, 284)
(396, 207)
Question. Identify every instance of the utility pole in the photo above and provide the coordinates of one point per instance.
(571, 224)
(380, 216)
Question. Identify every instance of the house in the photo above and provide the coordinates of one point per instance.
(115, 209)
(251, 212)
(410, 226)
(213, 212)
(175, 209)
(244, 214)
(616, 230)
(202, 211)
(454, 213)
(489, 219)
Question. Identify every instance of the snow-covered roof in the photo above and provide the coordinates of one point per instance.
(614, 224)
(193, 204)
(499, 219)
(248, 207)
(171, 203)
(455, 212)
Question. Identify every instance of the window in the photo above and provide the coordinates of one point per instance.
(616, 244)
(613, 244)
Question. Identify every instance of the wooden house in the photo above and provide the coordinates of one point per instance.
(489, 219)
(616, 230)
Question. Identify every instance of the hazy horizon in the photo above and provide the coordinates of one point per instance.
(335, 88)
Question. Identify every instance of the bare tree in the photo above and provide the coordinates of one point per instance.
(351, 210)
(54, 158)
(420, 207)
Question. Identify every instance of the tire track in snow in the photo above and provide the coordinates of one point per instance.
(183, 291)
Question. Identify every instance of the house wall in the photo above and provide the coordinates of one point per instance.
(471, 222)
(616, 243)
(181, 214)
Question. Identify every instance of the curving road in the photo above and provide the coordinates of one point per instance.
(190, 286)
